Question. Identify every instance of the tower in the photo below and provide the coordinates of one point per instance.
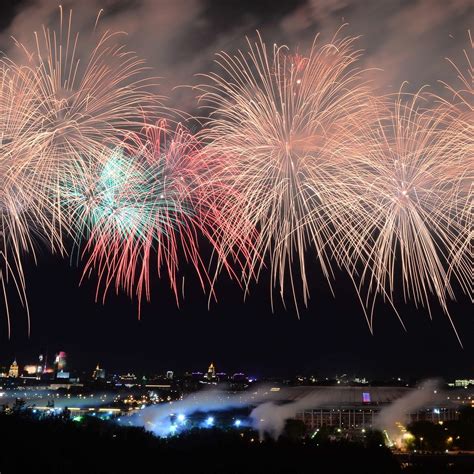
(13, 372)
(211, 372)
(98, 373)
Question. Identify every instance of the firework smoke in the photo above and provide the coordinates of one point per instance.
(395, 416)
(158, 418)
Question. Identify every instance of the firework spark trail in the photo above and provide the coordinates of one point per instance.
(406, 221)
(23, 219)
(80, 102)
(57, 105)
(278, 126)
(150, 199)
(459, 142)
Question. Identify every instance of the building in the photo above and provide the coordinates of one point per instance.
(211, 373)
(41, 364)
(350, 408)
(98, 374)
(13, 372)
(60, 361)
(63, 375)
(462, 383)
(30, 369)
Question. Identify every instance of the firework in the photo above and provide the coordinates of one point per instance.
(82, 98)
(145, 202)
(23, 221)
(60, 101)
(282, 134)
(298, 160)
(459, 145)
(408, 218)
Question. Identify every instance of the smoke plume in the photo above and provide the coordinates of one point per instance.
(395, 416)
(179, 38)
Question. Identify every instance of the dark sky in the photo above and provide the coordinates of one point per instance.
(331, 336)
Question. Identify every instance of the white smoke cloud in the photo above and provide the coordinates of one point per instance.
(270, 409)
(270, 418)
(403, 41)
(396, 415)
(158, 418)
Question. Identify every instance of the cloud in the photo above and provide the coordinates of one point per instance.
(407, 41)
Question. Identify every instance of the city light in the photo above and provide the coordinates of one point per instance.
(237, 423)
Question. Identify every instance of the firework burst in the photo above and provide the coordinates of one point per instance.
(297, 159)
(61, 100)
(409, 214)
(23, 219)
(148, 201)
(283, 131)
(459, 144)
(83, 95)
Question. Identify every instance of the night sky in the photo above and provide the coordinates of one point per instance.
(331, 335)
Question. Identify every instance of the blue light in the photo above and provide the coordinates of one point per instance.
(210, 421)
(173, 429)
(181, 418)
(237, 423)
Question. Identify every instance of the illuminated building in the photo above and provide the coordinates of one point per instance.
(351, 408)
(463, 382)
(98, 373)
(211, 372)
(60, 361)
(128, 377)
(30, 369)
(41, 364)
(13, 372)
(128, 380)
